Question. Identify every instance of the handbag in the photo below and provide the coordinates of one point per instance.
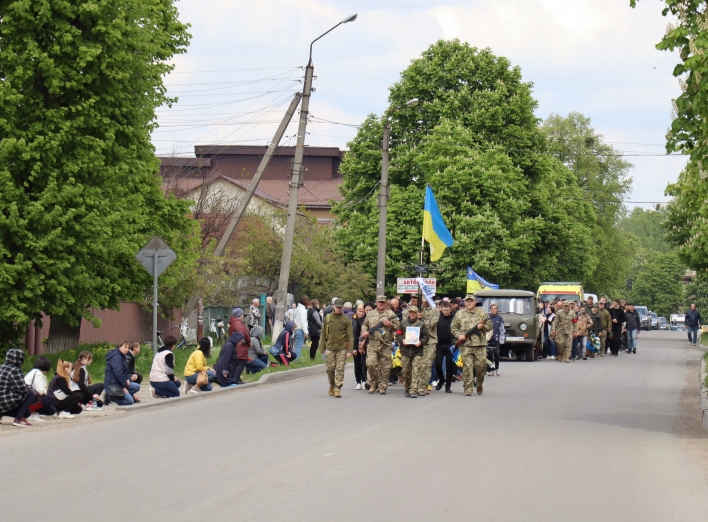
(202, 378)
(114, 391)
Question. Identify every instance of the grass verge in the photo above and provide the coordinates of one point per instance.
(144, 361)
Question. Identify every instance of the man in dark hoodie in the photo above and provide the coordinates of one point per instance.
(15, 396)
(228, 367)
(443, 348)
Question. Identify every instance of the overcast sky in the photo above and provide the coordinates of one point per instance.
(592, 56)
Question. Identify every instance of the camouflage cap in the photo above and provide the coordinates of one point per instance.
(381, 298)
(338, 302)
(413, 308)
(469, 296)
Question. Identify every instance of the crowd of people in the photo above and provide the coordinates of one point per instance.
(391, 341)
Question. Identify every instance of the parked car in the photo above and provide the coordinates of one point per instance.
(677, 322)
(663, 323)
(644, 319)
(654, 320)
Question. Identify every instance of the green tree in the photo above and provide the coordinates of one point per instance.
(79, 192)
(648, 227)
(658, 284)
(474, 138)
(697, 292)
(602, 176)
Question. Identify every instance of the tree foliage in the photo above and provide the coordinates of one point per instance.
(516, 213)
(601, 174)
(696, 292)
(648, 227)
(79, 195)
(659, 284)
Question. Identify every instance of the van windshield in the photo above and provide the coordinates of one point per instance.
(509, 305)
(550, 297)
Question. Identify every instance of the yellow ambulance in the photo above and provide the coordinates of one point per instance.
(570, 291)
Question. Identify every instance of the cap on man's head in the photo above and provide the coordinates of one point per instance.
(469, 296)
(236, 312)
(338, 301)
(381, 299)
(412, 308)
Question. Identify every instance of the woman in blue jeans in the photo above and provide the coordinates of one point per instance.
(196, 364)
(118, 386)
(162, 374)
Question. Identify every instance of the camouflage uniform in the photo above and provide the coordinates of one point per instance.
(337, 338)
(563, 333)
(412, 359)
(378, 356)
(474, 349)
(605, 325)
(430, 318)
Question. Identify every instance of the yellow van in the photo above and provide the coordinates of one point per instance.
(561, 290)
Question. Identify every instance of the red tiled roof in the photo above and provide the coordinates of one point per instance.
(186, 185)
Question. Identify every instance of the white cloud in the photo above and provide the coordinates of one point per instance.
(593, 56)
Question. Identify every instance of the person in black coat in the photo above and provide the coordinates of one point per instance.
(314, 326)
(443, 348)
(119, 388)
(359, 351)
(617, 315)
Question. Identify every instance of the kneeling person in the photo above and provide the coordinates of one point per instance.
(413, 362)
(336, 340)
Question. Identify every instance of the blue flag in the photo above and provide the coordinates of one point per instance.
(476, 282)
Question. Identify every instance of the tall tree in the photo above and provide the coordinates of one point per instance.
(659, 285)
(474, 138)
(602, 176)
(648, 227)
(79, 192)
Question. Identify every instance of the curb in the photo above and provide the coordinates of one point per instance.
(269, 378)
(704, 390)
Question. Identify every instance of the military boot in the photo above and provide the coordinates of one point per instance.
(331, 390)
(337, 393)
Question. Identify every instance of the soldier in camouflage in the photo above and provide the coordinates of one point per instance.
(562, 331)
(378, 357)
(473, 349)
(431, 316)
(336, 341)
(412, 364)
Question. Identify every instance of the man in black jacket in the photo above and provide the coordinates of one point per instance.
(631, 325)
(443, 348)
(693, 323)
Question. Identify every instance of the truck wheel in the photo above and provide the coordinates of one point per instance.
(530, 354)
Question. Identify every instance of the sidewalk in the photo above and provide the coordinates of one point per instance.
(148, 402)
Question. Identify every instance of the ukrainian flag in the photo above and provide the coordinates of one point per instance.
(434, 230)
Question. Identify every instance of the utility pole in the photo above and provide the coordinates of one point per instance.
(384, 195)
(383, 204)
(295, 182)
(246, 199)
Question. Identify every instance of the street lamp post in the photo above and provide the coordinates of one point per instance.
(295, 182)
(383, 198)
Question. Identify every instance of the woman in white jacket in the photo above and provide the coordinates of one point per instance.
(37, 380)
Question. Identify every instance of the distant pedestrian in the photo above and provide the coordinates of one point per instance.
(632, 323)
(337, 339)
(470, 327)
(254, 313)
(444, 347)
(605, 326)
(498, 336)
(270, 314)
(415, 377)
(563, 332)
(359, 351)
(618, 318)
(430, 316)
(379, 327)
(693, 323)
(314, 326)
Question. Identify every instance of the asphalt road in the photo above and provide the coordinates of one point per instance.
(592, 440)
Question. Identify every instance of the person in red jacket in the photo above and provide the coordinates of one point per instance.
(236, 324)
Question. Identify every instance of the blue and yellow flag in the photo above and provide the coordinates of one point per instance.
(434, 230)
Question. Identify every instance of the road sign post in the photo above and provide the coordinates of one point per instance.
(155, 257)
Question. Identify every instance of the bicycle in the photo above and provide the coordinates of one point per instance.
(217, 330)
(159, 340)
(184, 333)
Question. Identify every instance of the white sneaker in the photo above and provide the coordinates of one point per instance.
(65, 415)
(35, 418)
(358, 386)
(194, 389)
(152, 392)
(553, 358)
(496, 372)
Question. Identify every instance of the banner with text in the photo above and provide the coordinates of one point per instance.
(409, 285)
(428, 292)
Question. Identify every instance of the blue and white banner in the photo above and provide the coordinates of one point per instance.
(428, 291)
(477, 282)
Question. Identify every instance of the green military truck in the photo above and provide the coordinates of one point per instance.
(518, 308)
